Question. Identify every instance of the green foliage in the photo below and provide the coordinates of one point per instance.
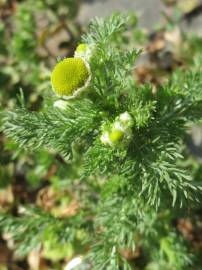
(43, 226)
(128, 188)
(24, 41)
(34, 129)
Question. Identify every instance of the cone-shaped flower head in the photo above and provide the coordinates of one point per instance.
(116, 135)
(68, 76)
(82, 48)
(84, 51)
(119, 131)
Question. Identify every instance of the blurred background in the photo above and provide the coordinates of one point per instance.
(34, 34)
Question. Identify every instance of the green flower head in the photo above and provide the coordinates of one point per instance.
(69, 76)
(82, 48)
(120, 131)
(84, 51)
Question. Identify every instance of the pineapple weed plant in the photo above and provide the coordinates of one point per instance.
(125, 157)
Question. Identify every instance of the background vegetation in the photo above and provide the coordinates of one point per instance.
(42, 198)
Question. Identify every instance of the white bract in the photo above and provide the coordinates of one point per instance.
(73, 263)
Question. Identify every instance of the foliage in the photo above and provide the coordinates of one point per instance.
(125, 191)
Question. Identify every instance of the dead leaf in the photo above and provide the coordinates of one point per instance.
(53, 201)
(6, 198)
(187, 6)
(35, 260)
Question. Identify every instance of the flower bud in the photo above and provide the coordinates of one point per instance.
(116, 136)
(84, 51)
(60, 104)
(119, 131)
